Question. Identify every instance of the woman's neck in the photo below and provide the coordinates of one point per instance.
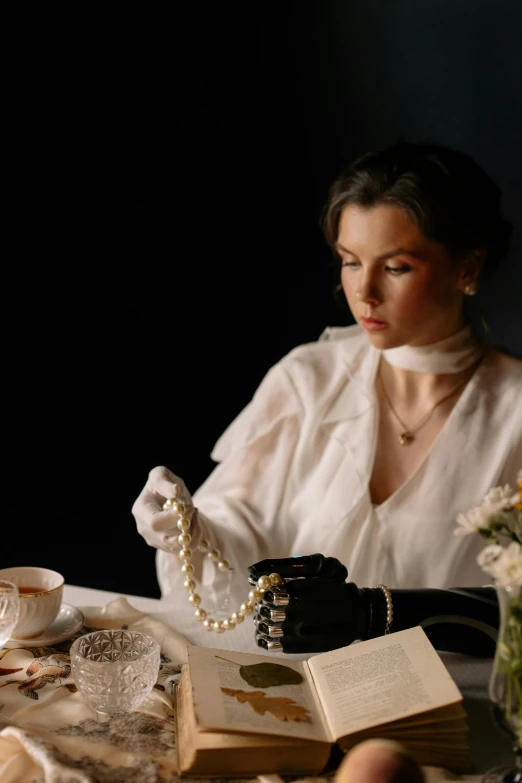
(413, 374)
(419, 389)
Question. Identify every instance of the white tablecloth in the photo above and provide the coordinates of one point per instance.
(489, 747)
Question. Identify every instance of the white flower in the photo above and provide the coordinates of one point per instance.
(510, 566)
(498, 518)
(505, 566)
(498, 499)
(489, 556)
(473, 521)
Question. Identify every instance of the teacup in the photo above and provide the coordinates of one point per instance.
(40, 592)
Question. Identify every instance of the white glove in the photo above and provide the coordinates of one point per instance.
(158, 527)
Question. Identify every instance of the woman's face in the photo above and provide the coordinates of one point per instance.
(401, 287)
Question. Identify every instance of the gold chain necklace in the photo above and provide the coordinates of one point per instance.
(407, 434)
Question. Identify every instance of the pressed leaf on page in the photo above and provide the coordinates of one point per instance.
(266, 674)
(281, 707)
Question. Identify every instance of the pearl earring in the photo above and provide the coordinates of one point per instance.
(470, 289)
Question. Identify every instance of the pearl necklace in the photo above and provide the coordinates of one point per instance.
(184, 512)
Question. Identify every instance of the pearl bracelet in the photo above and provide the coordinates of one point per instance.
(389, 608)
(184, 538)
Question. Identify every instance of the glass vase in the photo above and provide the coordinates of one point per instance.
(505, 685)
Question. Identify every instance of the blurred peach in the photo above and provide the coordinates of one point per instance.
(378, 761)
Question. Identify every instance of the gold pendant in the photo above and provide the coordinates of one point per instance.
(405, 438)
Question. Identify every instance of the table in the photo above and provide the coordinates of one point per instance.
(489, 747)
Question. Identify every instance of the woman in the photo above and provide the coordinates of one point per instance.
(367, 444)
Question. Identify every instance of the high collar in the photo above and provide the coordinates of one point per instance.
(448, 356)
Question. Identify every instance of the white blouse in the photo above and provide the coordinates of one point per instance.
(295, 466)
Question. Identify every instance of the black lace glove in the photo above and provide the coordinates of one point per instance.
(314, 610)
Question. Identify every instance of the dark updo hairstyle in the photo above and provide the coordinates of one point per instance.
(444, 191)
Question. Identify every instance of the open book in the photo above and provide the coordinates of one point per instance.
(240, 714)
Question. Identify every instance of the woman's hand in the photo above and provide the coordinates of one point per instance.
(159, 527)
(315, 611)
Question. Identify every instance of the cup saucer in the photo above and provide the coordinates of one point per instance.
(68, 620)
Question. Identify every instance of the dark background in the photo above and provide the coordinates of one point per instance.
(165, 183)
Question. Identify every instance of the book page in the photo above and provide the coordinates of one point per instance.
(381, 680)
(242, 692)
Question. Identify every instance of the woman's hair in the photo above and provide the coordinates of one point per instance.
(445, 192)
